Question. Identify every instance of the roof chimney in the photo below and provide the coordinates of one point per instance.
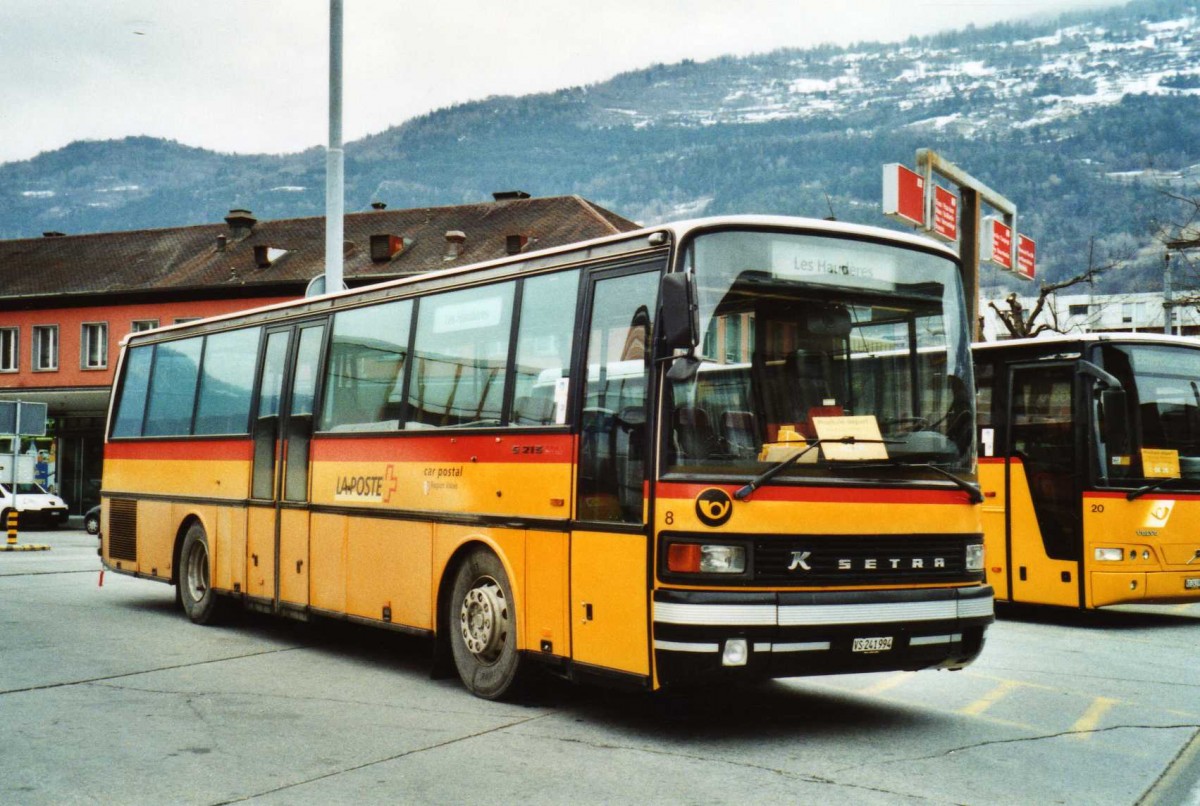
(509, 195)
(456, 244)
(240, 222)
(221, 242)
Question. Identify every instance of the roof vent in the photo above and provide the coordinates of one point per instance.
(509, 195)
(385, 247)
(265, 255)
(456, 244)
(513, 244)
(221, 242)
(240, 222)
(378, 205)
(53, 234)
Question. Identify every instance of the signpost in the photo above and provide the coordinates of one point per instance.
(1026, 256)
(997, 242)
(903, 194)
(945, 214)
(915, 198)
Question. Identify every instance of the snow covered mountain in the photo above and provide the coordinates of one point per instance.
(1089, 122)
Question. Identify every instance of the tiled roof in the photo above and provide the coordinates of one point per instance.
(192, 258)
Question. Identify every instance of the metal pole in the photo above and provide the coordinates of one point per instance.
(334, 158)
(1168, 306)
(971, 223)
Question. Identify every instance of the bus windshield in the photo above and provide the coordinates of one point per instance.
(1162, 388)
(810, 340)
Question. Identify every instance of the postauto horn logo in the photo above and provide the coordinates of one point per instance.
(713, 507)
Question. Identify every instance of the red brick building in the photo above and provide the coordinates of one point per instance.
(67, 301)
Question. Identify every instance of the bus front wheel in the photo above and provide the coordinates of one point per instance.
(195, 592)
(483, 627)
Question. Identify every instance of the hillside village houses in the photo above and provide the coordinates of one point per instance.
(66, 301)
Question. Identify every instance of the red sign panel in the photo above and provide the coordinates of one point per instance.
(945, 214)
(997, 242)
(1026, 256)
(903, 194)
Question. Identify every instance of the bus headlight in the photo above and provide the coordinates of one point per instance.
(705, 558)
(974, 556)
(1109, 555)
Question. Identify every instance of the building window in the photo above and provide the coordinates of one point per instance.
(144, 324)
(1077, 310)
(9, 357)
(181, 320)
(45, 348)
(93, 345)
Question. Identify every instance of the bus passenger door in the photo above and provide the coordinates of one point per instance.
(610, 549)
(296, 437)
(1044, 474)
(278, 526)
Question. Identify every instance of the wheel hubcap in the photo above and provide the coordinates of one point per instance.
(197, 572)
(483, 620)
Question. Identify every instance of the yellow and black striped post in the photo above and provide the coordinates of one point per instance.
(11, 544)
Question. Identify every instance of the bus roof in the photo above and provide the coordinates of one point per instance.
(627, 243)
(1069, 339)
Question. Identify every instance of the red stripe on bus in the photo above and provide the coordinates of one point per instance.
(201, 449)
(836, 495)
(1163, 493)
(514, 448)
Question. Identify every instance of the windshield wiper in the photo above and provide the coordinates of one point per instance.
(972, 490)
(1154, 485)
(743, 493)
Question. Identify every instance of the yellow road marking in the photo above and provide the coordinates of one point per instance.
(991, 698)
(888, 683)
(1091, 718)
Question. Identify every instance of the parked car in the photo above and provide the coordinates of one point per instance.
(33, 502)
(91, 520)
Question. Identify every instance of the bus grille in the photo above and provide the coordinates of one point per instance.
(862, 559)
(122, 529)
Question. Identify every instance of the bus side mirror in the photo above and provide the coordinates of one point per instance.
(1114, 421)
(679, 323)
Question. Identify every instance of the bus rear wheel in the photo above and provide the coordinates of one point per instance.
(483, 627)
(195, 593)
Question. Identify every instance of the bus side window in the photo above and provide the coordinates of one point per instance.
(460, 358)
(366, 368)
(544, 339)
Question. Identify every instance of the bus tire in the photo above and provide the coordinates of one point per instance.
(194, 591)
(483, 627)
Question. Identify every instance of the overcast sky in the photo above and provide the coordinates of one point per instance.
(251, 76)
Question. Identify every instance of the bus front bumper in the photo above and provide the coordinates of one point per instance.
(755, 634)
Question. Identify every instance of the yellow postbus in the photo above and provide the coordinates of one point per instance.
(1090, 466)
(648, 459)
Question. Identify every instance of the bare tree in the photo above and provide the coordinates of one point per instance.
(1180, 238)
(1023, 324)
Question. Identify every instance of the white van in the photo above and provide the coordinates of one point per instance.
(33, 502)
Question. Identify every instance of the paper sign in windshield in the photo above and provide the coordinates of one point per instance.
(1160, 463)
(864, 429)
